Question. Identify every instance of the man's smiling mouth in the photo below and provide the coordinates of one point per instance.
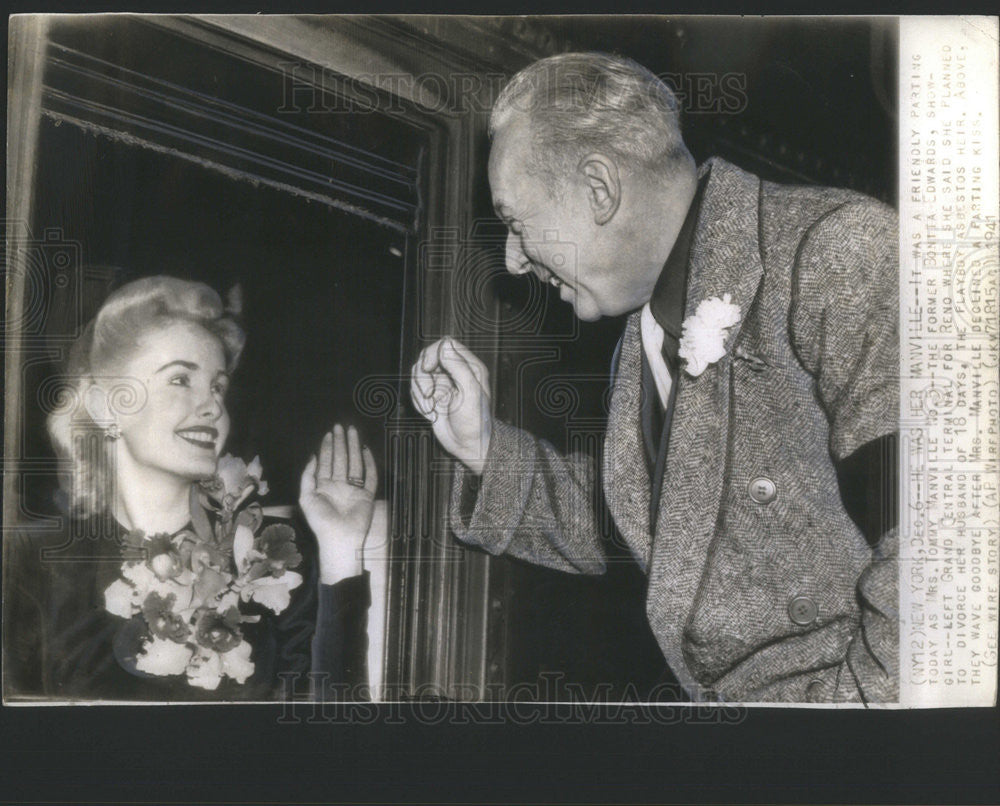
(202, 436)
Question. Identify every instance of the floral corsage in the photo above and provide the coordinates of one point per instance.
(703, 335)
(182, 593)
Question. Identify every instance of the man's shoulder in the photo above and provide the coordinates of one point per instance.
(812, 202)
(801, 202)
(812, 214)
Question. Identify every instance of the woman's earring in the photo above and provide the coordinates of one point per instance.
(112, 432)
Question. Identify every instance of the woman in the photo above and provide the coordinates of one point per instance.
(168, 581)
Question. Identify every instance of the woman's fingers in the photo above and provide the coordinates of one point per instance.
(325, 457)
(307, 483)
(341, 458)
(355, 467)
(339, 470)
(371, 471)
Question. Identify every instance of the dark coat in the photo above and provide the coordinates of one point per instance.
(60, 643)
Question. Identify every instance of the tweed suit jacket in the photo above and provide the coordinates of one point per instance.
(809, 376)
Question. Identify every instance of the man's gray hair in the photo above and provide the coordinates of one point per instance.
(580, 103)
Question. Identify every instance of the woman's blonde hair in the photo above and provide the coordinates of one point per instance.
(128, 313)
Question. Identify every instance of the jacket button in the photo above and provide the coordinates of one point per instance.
(814, 691)
(762, 490)
(802, 610)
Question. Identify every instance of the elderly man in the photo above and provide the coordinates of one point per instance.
(749, 452)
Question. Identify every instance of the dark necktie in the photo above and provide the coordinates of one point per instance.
(659, 420)
(667, 307)
(670, 347)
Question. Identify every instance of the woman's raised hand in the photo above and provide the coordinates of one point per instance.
(337, 496)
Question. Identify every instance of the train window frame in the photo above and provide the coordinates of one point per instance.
(433, 637)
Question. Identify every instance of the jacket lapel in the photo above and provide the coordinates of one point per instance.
(626, 475)
(725, 259)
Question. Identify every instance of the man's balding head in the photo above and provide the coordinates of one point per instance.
(582, 103)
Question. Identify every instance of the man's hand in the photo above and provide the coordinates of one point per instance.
(337, 496)
(451, 388)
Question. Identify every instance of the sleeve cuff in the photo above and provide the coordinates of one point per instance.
(340, 643)
(486, 511)
(354, 591)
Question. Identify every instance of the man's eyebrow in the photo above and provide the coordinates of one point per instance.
(185, 364)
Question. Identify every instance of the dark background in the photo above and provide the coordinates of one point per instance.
(322, 292)
(322, 288)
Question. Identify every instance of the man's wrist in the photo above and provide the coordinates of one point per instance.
(475, 462)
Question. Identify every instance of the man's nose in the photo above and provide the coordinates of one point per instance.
(517, 261)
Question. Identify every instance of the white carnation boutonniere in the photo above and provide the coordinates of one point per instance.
(704, 333)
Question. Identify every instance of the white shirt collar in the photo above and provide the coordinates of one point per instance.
(652, 345)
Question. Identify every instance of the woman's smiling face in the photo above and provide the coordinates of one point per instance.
(182, 425)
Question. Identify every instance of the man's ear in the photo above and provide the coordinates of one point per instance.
(604, 190)
(95, 399)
